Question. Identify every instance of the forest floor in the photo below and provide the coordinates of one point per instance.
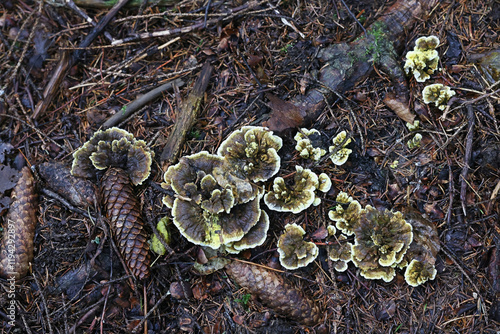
(77, 284)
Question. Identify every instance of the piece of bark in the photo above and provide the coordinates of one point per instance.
(66, 61)
(78, 191)
(139, 102)
(188, 114)
(348, 63)
(16, 249)
(275, 292)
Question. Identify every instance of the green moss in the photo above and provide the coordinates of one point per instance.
(378, 45)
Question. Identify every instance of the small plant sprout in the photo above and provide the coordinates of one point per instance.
(156, 244)
(414, 126)
(339, 144)
(304, 139)
(415, 141)
(424, 58)
(437, 93)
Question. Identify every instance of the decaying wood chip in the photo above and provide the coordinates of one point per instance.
(16, 249)
(275, 292)
(79, 192)
(123, 211)
(187, 115)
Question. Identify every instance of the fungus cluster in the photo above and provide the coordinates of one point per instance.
(381, 240)
(439, 94)
(214, 199)
(341, 152)
(339, 249)
(421, 256)
(305, 139)
(424, 58)
(298, 195)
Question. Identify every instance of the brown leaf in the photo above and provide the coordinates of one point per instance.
(284, 115)
(400, 106)
(320, 234)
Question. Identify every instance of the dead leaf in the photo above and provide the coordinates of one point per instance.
(284, 115)
(8, 178)
(399, 106)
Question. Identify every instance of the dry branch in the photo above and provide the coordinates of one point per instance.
(139, 102)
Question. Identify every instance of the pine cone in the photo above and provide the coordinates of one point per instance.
(16, 249)
(123, 212)
(274, 292)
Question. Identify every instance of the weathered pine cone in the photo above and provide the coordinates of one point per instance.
(16, 249)
(274, 292)
(124, 214)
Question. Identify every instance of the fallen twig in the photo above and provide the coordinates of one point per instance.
(467, 157)
(139, 102)
(200, 25)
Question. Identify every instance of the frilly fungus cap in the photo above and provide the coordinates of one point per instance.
(305, 146)
(426, 43)
(424, 58)
(208, 209)
(381, 240)
(113, 147)
(251, 153)
(295, 198)
(437, 93)
(346, 214)
(340, 253)
(255, 237)
(341, 156)
(419, 272)
(423, 250)
(294, 251)
(204, 227)
(324, 183)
